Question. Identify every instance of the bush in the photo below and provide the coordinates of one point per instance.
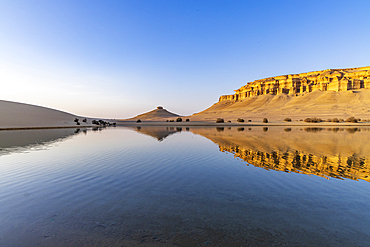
(265, 120)
(138, 121)
(329, 120)
(219, 120)
(288, 120)
(249, 120)
(167, 120)
(240, 120)
(351, 120)
(76, 120)
(229, 121)
(179, 119)
(335, 120)
(85, 120)
(187, 120)
(313, 120)
(172, 120)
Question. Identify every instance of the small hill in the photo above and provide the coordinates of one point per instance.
(155, 115)
(19, 115)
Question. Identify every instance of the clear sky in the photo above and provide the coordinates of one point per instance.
(117, 59)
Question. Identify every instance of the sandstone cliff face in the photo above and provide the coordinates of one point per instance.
(330, 79)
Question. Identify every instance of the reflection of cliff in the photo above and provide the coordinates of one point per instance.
(337, 153)
(158, 132)
(22, 140)
(330, 79)
(352, 167)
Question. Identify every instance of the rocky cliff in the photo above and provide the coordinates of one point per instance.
(330, 79)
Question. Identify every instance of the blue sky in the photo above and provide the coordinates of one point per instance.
(117, 59)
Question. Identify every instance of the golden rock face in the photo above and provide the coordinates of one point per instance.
(331, 79)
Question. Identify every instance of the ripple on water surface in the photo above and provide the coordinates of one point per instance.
(119, 186)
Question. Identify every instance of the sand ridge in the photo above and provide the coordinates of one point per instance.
(19, 115)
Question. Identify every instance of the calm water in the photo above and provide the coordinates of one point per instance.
(156, 186)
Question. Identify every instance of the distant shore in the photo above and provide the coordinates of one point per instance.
(200, 124)
(18, 116)
(204, 123)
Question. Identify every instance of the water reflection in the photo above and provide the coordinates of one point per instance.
(121, 188)
(157, 132)
(325, 152)
(23, 140)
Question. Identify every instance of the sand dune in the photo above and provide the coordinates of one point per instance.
(18, 115)
(327, 104)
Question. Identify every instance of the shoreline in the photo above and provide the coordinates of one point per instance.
(46, 127)
(213, 124)
(200, 124)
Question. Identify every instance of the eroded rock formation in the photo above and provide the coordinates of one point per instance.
(330, 79)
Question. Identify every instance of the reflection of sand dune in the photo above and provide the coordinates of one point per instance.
(333, 152)
(21, 140)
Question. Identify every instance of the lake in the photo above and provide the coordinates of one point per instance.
(185, 186)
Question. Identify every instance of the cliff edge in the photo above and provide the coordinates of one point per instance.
(337, 80)
(331, 93)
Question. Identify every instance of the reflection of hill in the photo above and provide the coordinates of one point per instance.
(21, 140)
(332, 152)
(158, 132)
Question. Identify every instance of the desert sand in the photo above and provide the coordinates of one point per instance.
(17, 116)
(322, 104)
